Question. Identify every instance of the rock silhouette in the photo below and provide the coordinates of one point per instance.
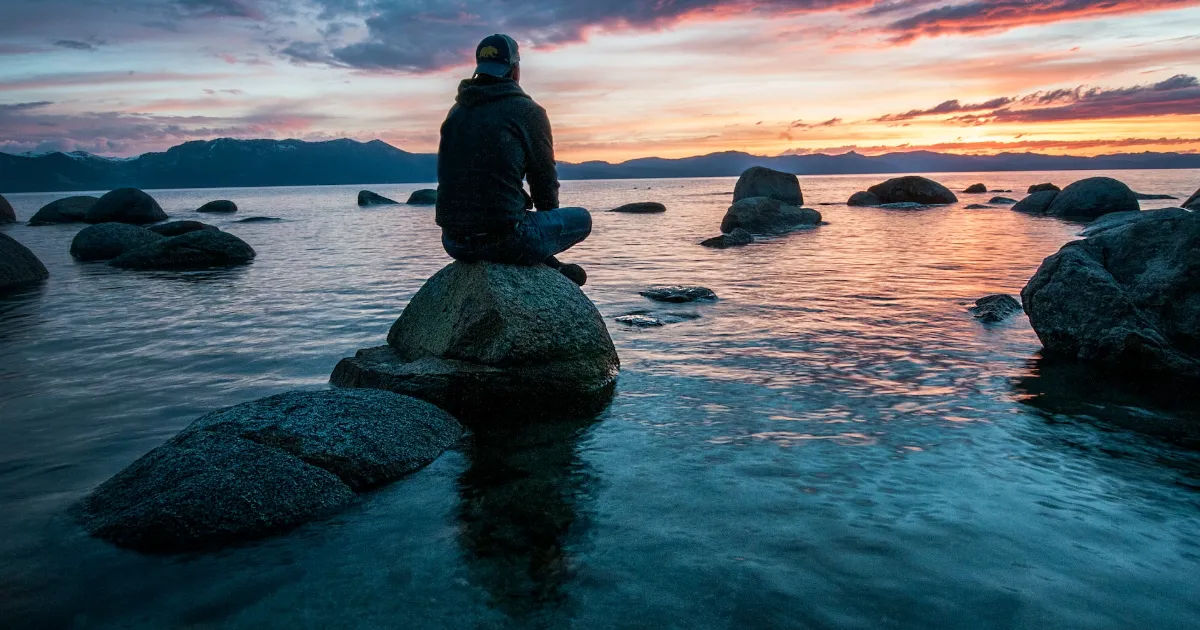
(7, 214)
(125, 205)
(494, 343)
(1092, 197)
(18, 266)
(259, 220)
(368, 198)
(175, 228)
(1037, 188)
(106, 241)
(1193, 202)
(976, 189)
(863, 198)
(1037, 203)
(641, 207)
(995, 308)
(1002, 200)
(978, 206)
(1125, 297)
(759, 181)
(200, 249)
(423, 197)
(678, 294)
(220, 206)
(912, 189)
(1152, 197)
(735, 238)
(68, 210)
(763, 215)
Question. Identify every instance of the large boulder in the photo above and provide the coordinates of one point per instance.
(7, 214)
(125, 205)
(423, 197)
(175, 228)
(220, 206)
(68, 210)
(200, 249)
(1127, 297)
(864, 198)
(641, 207)
(912, 189)
(1037, 188)
(493, 342)
(368, 198)
(759, 181)
(1092, 197)
(18, 265)
(1037, 203)
(106, 241)
(763, 215)
(265, 466)
(1193, 202)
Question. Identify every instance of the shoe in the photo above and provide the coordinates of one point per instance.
(574, 273)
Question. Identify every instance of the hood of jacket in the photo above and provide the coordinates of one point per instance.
(474, 92)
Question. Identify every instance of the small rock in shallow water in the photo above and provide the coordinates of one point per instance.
(863, 198)
(976, 189)
(1037, 188)
(1002, 200)
(1146, 197)
(736, 238)
(904, 205)
(641, 207)
(258, 220)
(679, 294)
(640, 321)
(996, 308)
(978, 206)
(220, 206)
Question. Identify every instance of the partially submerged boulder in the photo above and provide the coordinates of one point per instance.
(265, 466)
(979, 206)
(175, 228)
(759, 181)
(763, 215)
(18, 266)
(912, 189)
(125, 205)
(641, 207)
(678, 294)
(1002, 200)
(7, 214)
(1092, 197)
(863, 198)
(736, 238)
(1037, 203)
(67, 210)
(494, 343)
(106, 241)
(259, 220)
(976, 189)
(995, 308)
(200, 249)
(1153, 197)
(423, 197)
(905, 205)
(640, 320)
(220, 206)
(368, 198)
(1037, 188)
(1127, 297)
(1193, 202)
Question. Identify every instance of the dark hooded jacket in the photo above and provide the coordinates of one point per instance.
(494, 137)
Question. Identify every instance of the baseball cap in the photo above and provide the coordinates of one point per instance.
(496, 55)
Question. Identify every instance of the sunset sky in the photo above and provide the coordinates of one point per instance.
(621, 79)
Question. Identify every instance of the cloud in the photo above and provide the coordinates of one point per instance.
(989, 147)
(219, 9)
(948, 107)
(800, 124)
(74, 45)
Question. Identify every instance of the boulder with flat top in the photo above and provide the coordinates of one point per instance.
(641, 207)
(912, 189)
(759, 181)
(493, 344)
(66, 210)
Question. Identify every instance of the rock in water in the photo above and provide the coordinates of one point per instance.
(863, 198)
(1149, 197)
(368, 198)
(220, 206)
(1037, 188)
(18, 265)
(1193, 202)
(978, 206)
(68, 210)
(175, 228)
(679, 294)
(639, 320)
(259, 220)
(7, 214)
(1002, 200)
(1037, 203)
(976, 189)
(1127, 297)
(736, 238)
(423, 197)
(642, 207)
(1092, 197)
(106, 241)
(762, 215)
(125, 205)
(494, 343)
(758, 181)
(996, 308)
(905, 205)
(200, 249)
(913, 189)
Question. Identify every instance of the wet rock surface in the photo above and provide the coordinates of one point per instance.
(995, 308)
(736, 238)
(200, 249)
(640, 320)
(67, 210)
(762, 215)
(912, 189)
(679, 294)
(125, 205)
(759, 181)
(19, 267)
(1002, 200)
(979, 206)
(106, 241)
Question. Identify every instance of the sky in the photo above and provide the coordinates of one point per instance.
(620, 79)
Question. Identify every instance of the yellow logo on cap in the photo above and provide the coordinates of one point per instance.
(487, 52)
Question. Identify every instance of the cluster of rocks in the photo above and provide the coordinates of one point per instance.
(913, 192)
(422, 197)
(765, 202)
(1083, 200)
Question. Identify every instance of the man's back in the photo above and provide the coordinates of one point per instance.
(494, 137)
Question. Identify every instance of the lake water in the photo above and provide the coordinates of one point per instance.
(834, 443)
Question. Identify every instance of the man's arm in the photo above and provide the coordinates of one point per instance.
(540, 169)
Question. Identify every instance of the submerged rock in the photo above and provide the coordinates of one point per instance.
(368, 198)
(905, 205)
(423, 197)
(106, 241)
(1037, 188)
(762, 215)
(679, 294)
(175, 228)
(978, 206)
(639, 320)
(1146, 197)
(1092, 197)
(125, 205)
(1037, 203)
(1002, 200)
(18, 266)
(863, 198)
(220, 206)
(976, 189)
(1127, 297)
(912, 189)
(67, 210)
(736, 238)
(494, 343)
(995, 308)
(7, 214)
(259, 220)
(641, 207)
(263, 467)
(759, 181)
(200, 249)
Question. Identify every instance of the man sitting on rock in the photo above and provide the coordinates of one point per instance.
(494, 137)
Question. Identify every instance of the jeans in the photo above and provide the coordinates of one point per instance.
(536, 239)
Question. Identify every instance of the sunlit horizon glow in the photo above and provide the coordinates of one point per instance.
(629, 80)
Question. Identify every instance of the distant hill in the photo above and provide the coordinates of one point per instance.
(227, 163)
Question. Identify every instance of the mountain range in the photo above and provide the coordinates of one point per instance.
(228, 162)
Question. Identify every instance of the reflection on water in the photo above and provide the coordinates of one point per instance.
(835, 442)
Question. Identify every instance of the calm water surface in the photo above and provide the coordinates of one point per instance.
(836, 442)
